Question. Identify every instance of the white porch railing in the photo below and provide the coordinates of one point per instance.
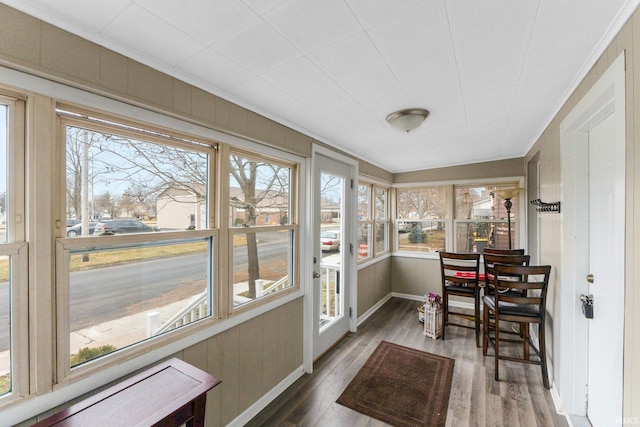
(330, 298)
(273, 287)
(196, 309)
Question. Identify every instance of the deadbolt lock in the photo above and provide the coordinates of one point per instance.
(590, 278)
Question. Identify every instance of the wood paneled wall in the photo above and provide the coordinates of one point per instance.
(550, 186)
(374, 283)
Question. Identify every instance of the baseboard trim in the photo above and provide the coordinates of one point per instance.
(266, 399)
(423, 297)
(373, 309)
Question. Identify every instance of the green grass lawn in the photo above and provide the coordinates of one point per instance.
(5, 384)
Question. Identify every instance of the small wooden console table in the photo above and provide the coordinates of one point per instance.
(172, 393)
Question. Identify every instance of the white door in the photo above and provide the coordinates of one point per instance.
(589, 352)
(332, 251)
(606, 274)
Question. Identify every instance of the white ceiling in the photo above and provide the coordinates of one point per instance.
(492, 73)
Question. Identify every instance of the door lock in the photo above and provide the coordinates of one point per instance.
(316, 275)
(590, 278)
(587, 305)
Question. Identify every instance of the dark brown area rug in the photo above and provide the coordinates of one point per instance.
(402, 386)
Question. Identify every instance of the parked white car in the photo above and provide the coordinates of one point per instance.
(330, 241)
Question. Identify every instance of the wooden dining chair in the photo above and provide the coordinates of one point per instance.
(496, 251)
(460, 273)
(526, 308)
(489, 260)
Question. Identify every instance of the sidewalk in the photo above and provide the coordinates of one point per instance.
(118, 333)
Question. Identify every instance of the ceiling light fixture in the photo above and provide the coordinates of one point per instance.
(407, 120)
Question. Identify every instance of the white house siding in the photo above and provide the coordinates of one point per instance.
(175, 212)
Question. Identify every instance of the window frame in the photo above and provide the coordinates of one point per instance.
(448, 209)
(517, 216)
(451, 221)
(372, 222)
(384, 221)
(367, 223)
(16, 247)
(104, 122)
(295, 167)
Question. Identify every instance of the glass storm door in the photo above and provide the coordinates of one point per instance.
(332, 252)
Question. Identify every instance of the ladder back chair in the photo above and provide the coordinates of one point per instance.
(490, 260)
(526, 308)
(495, 251)
(460, 273)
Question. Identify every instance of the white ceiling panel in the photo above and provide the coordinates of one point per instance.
(492, 73)
(413, 35)
(156, 39)
(481, 18)
(201, 18)
(257, 47)
(349, 58)
(430, 78)
(86, 16)
(371, 13)
(212, 68)
(297, 77)
(311, 25)
(377, 91)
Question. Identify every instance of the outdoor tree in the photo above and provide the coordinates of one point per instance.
(330, 196)
(420, 203)
(417, 235)
(364, 198)
(80, 154)
(136, 172)
(109, 204)
(261, 185)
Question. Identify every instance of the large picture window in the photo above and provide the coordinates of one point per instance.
(263, 232)
(481, 218)
(422, 219)
(455, 217)
(136, 260)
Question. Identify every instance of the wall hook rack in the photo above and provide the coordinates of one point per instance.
(546, 207)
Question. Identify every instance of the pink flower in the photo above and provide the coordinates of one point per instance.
(434, 299)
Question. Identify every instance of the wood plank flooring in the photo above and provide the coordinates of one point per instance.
(518, 399)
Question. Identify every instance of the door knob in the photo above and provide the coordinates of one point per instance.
(316, 275)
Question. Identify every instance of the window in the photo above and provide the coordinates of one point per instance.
(264, 228)
(373, 220)
(481, 218)
(13, 251)
(138, 262)
(382, 219)
(422, 219)
(364, 221)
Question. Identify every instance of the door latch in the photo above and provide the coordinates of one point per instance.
(587, 305)
(316, 275)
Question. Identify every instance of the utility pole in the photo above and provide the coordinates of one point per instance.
(85, 189)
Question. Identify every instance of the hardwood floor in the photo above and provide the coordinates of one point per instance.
(518, 399)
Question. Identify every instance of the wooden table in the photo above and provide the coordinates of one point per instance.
(171, 393)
